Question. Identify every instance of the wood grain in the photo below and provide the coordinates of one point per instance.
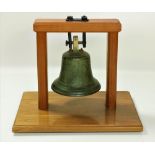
(111, 85)
(42, 70)
(93, 25)
(76, 114)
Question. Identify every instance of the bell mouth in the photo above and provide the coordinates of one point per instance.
(60, 88)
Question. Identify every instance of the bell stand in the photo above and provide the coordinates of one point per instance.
(108, 111)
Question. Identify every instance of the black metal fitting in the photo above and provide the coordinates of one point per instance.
(69, 41)
(82, 19)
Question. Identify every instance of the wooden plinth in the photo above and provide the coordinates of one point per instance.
(76, 114)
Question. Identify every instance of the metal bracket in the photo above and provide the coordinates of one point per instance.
(82, 19)
(69, 41)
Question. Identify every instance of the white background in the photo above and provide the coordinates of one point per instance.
(136, 69)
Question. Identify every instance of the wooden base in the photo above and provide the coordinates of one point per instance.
(76, 114)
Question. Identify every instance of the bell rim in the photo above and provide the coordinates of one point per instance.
(76, 92)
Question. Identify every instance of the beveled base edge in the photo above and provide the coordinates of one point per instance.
(30, 129)
(33, 128)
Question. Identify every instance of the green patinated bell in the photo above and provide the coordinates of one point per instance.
(76, 77)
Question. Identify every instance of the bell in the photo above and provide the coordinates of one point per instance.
(76, 77)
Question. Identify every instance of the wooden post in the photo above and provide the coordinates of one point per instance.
(42, 70)
(112, 70)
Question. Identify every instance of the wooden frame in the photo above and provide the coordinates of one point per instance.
(111, 26)
(45, 111)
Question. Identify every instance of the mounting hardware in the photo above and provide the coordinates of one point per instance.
(70, 42)
(82, 19)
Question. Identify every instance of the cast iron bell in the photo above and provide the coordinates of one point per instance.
(76, 77)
